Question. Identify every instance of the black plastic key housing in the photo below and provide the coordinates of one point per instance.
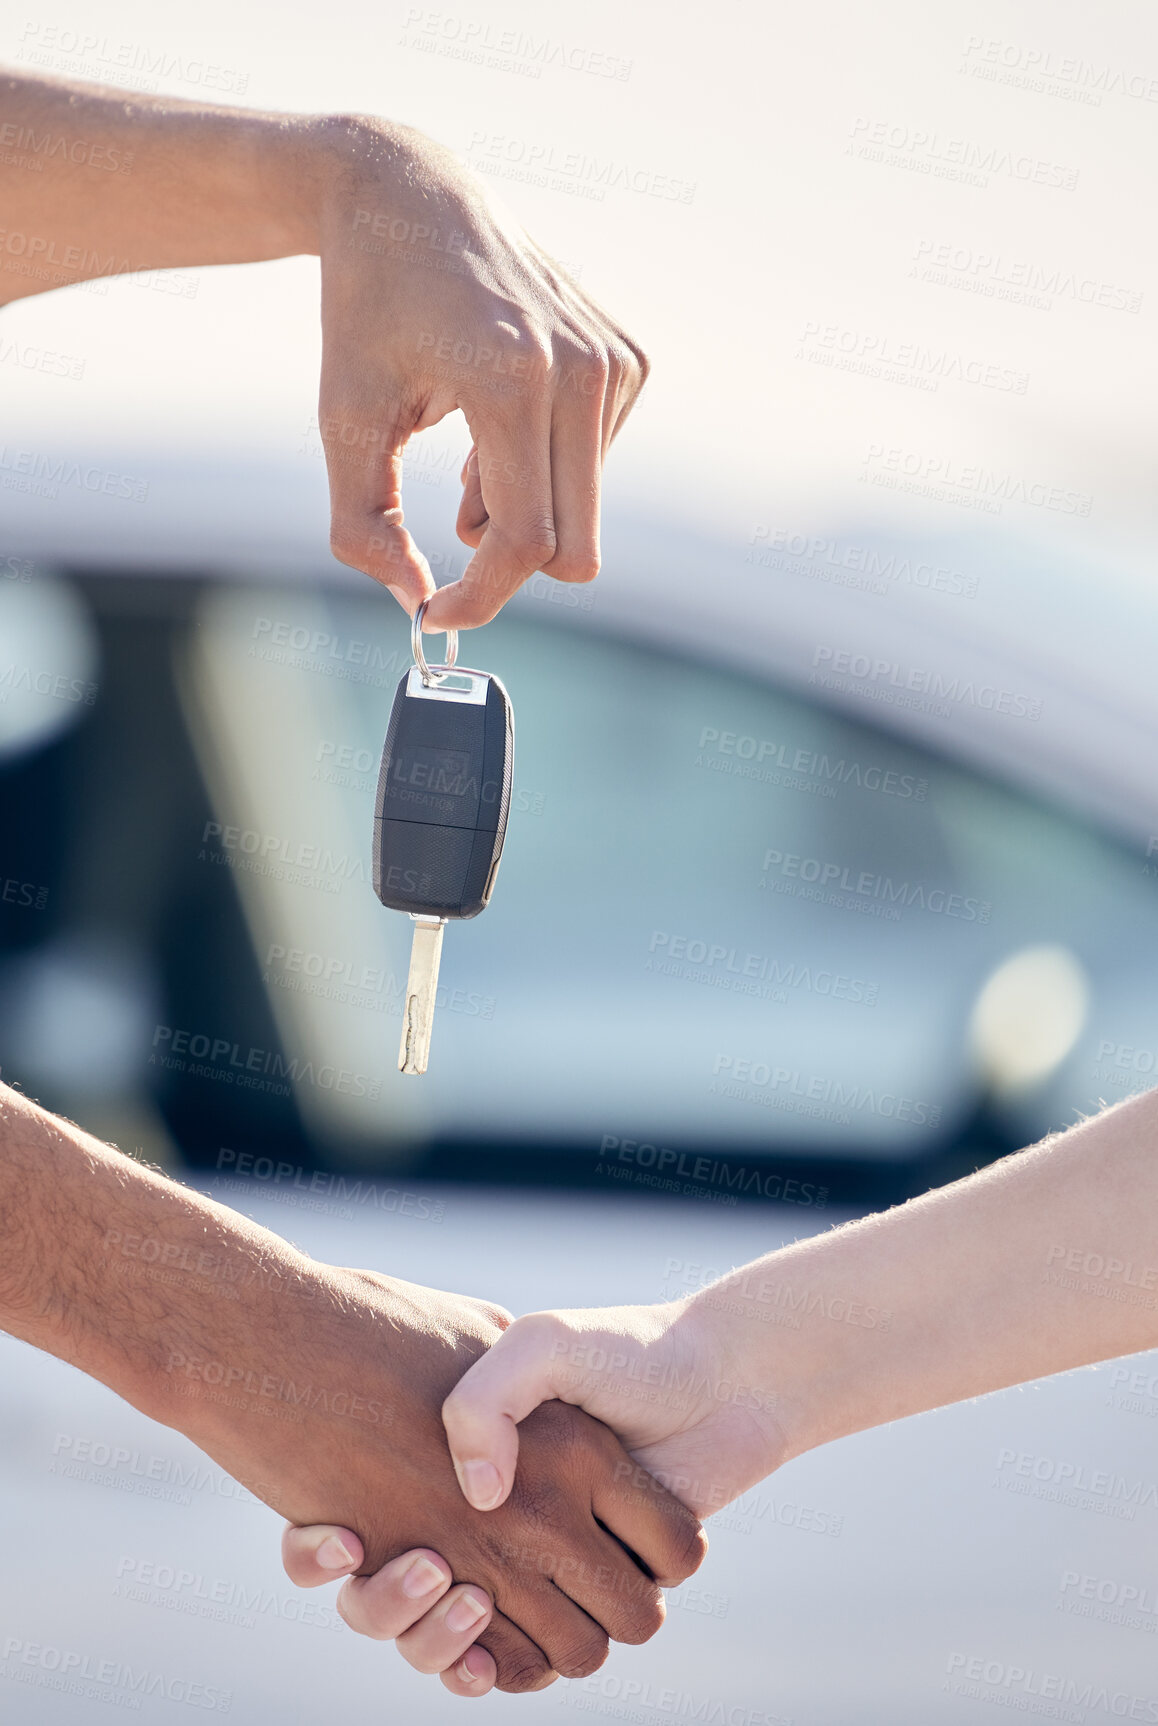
(444, 789)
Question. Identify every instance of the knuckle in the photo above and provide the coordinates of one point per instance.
(644, 1619)
(521, 1670)
(582, 1657)
(636, 359)
(496, 1315)
(428, 1664)
(574, 567)
(535, 544)
(622, 358)
(687, 1549)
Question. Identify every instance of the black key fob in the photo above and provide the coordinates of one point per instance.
(444, 789)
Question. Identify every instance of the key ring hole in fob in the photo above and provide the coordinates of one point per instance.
(430, 673)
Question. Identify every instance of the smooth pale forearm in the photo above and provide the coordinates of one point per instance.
(1044, 1262)
(1047, 1261)
(133, 182)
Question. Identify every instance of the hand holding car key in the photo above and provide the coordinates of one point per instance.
(440, 817)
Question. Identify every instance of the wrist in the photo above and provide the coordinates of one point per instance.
(786, 1328)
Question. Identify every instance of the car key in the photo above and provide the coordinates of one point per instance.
(440, 817)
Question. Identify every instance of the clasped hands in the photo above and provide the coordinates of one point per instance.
(341, 1430)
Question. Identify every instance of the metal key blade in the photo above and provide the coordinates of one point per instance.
(421, 985)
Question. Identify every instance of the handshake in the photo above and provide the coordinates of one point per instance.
(505, 1496)
(385, 1420)
(412, 1438)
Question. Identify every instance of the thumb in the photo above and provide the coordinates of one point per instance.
(482, 1413)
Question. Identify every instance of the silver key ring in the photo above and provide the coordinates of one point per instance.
(429, 672)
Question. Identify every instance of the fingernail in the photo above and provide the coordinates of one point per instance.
(463, 1671)
(422, 1578)
(481, 1483)
(465, 1612)
(332, 1555)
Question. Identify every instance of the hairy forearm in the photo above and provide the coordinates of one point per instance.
(1047, 1261)
(123, 1272)
(132, 182)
